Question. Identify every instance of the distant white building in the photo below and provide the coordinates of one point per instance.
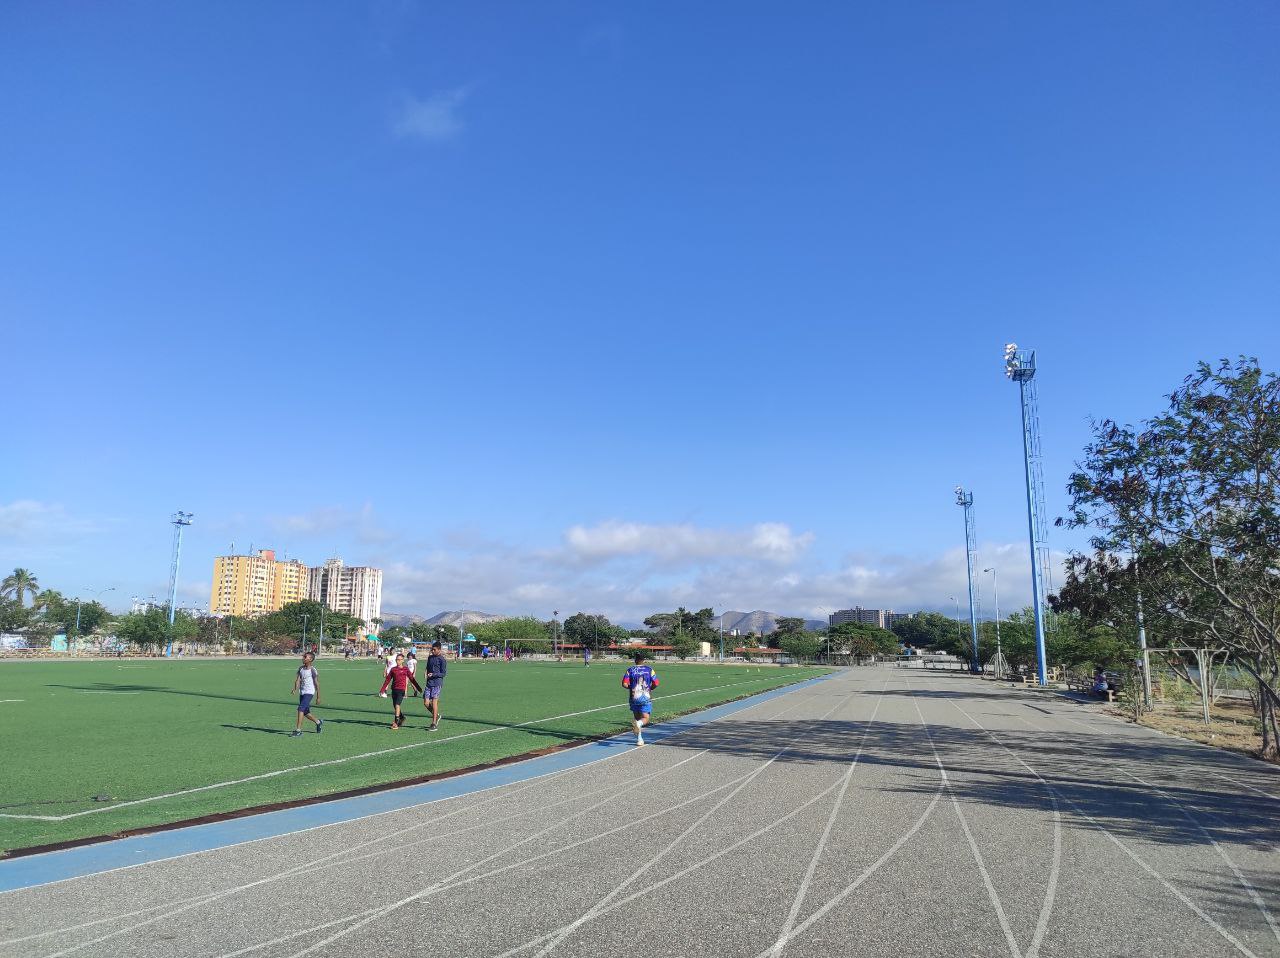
(860, 615)
(351, 590)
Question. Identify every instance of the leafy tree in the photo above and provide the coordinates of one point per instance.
(785, 626)
(593, 631)
(802, 646)
(14, 617)
(927, 630)
(684, 645)
(151, 628)
(18, 584)
(1196, 490)
(861, 641)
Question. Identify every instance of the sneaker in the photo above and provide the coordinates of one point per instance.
(395, 727)
(383, 694)
(434, 728)
(296, 733)
(639, 740)
(319, 726)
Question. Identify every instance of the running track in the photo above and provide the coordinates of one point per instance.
(883, 812)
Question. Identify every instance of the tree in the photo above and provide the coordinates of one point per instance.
(861, 641)
(14, 617)
(584, 629)
(926, 630)
(151, 628)
(802, 646)
(684, 645)
(1196, 490)
(785, 626)
(18, 584)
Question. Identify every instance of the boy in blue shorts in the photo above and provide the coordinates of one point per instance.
(433, 682)
(638, 681)
(307, 684)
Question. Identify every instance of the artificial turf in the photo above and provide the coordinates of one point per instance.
(87, 736)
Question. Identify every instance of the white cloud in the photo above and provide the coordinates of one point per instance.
(629, 570)
(30, 522)
(685, 543)
(434, 118)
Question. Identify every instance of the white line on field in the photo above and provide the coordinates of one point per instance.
(802, 892)
(102, 692)
(348, 758)
(12, 700)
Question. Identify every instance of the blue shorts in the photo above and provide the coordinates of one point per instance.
(641, 706)
(304, 703)
(431, 690)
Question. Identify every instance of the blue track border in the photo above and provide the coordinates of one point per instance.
(43, 869)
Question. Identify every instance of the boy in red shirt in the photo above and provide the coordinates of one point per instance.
(398, 678)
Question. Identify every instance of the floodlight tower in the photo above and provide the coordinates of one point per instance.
(965, 499)
(179, 520)
(1020, 366)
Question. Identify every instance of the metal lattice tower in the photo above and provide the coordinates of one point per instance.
(179, 520)
(970, 549)
(1020, 366)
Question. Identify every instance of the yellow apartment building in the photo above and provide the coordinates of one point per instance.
(256, 584)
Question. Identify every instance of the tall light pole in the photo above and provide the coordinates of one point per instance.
(304, 632)
(1020, 366)
(995, 592)
(180, 520)
(722, 635)
(555, 630)
(1142, 640)
(965, 499)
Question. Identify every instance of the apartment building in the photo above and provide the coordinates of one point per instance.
(256, 584)
(352, 590)
(860, 615)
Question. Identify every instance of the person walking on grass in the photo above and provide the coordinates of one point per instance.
(586, 656)
(433, 680)
(639, 680)
(306, 683)
(398, 678)
(389, 663)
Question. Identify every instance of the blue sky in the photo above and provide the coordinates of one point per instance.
(607, 306)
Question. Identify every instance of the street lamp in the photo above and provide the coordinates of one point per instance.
(95, 597)
(722, 636)
(965, 499)
(995, 594)
(304, 631)
(555, 630)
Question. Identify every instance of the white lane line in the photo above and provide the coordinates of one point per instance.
(2, 701)
(1097, 729)
(196, 903)
(1055, 867)
(727, 850)
(1141, 863)
(565, 931)
(504, 790)
(1014, 950)
(803, 891)
(102, 692)
(867, 872)
(453, 880)
(350, 758)
(1244, 882)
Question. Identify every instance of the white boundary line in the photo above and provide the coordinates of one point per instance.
(802, 891)
(515, 786)
(601, 906)
(351, 758)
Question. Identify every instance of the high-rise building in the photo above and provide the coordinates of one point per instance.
(893, 618)
(256, 584)
(860, 615)
(352, 590)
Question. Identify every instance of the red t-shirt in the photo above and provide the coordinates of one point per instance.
(399, 678)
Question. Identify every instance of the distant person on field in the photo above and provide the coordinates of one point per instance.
(388, 665)
(638, 681)
(586, 656)
(411, 662)
(433, 682)
(306, 683)
(398, 678)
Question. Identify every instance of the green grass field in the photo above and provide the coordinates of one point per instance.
(140, 730)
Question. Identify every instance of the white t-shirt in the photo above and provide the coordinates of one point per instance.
(307, 680)
(411, 663)
(391, 664)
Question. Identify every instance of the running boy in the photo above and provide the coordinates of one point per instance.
(434, 679)
(398, 678)
(306, 683)
(638, 680)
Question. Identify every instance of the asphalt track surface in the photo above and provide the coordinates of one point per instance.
(883, 812)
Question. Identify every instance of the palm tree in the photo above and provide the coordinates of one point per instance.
(17, 586)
